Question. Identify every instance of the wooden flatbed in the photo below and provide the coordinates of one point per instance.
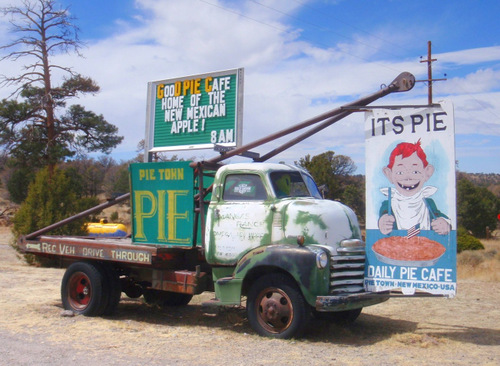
(102, 249)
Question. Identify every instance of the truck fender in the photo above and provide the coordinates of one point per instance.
(298, 262)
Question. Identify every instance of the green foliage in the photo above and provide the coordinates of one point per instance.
(36, 128)
(477, 208)
(465, 241)
(103, 175)
(91, 174)
(121, 180)
(18, 183)
(335, 172)
(329, 169)
(52, 198)
(82, 129)
(25, 136)
(354, 197)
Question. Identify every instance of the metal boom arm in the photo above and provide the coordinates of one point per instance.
(403, 82)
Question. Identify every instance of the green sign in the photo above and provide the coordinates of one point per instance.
(195, 112)
(162, 203)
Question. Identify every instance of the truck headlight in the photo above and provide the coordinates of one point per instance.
(321, 260)
(352, 243)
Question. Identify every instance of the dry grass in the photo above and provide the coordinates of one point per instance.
(402, 331)
(124, 214)
(481, 265)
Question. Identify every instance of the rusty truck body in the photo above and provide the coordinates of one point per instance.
(257, 231)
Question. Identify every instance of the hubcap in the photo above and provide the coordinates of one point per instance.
(80, 291)
(275, 310)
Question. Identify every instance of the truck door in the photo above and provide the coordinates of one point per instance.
(239, 220)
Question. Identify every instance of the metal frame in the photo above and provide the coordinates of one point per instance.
(403, 82)
(149, 150)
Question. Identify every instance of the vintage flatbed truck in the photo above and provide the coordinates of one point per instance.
(256, 230)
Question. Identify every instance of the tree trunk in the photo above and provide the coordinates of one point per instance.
(48, 102)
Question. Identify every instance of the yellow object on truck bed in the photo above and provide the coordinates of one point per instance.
(105, 229)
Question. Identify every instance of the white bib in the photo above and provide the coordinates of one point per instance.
(412, 210)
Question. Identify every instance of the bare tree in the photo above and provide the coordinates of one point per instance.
(31, 128)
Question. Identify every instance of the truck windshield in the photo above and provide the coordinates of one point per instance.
(292, 184)
(311, 185)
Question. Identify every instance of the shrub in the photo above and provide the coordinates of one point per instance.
(18, 183)
(465, 241)
(50, 199)
(477, 207)
(114, 216)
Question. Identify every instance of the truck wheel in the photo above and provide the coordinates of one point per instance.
(166, 298)
(339, 317)
(82, 289)
(112, 288)
(276, 307)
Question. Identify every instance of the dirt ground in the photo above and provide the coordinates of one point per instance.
(33, 331)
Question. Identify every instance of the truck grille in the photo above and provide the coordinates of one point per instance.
(347, 271)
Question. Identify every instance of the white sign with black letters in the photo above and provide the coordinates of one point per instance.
(410, 200)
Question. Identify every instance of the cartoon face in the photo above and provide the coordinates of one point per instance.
(408, 174)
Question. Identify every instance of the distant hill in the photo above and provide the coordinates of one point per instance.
(487, 180)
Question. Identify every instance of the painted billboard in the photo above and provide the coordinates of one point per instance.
(195, 112)
(162, 203)
(410, 200)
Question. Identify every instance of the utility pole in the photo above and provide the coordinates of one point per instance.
(429, 80)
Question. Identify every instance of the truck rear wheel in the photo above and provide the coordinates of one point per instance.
(112, 288)
(166, 298)
(276, 307)
(82, 289)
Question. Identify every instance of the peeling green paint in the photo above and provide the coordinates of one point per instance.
(305, 217)
(298, 262)
(251, 237)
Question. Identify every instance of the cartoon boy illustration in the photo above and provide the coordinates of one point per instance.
(408, 204)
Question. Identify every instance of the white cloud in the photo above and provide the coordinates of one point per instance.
(470, 56)
(287, 78)
(481, 80)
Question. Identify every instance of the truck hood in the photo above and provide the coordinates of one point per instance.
(321, 222)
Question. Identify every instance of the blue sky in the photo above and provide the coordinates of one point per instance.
(301, 58)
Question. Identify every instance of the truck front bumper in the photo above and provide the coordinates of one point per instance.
(350, 301)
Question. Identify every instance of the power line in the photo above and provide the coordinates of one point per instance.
(291, 33)
(244, 16)
(327, 29)
(338, 20)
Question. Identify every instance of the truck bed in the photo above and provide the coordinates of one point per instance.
(104, 249)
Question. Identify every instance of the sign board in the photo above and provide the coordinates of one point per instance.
(195, 112)
(89, 249)
(410, 200)
(162, 196)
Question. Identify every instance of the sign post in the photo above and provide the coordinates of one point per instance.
(194, 112)
(410, 200)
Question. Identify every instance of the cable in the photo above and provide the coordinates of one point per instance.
(321, 28)
(325, 29)
(290, 33)
(243, 16)
(352, 26)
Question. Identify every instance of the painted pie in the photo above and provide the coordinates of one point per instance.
(416, 248)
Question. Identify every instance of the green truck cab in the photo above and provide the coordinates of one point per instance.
(265, 233)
